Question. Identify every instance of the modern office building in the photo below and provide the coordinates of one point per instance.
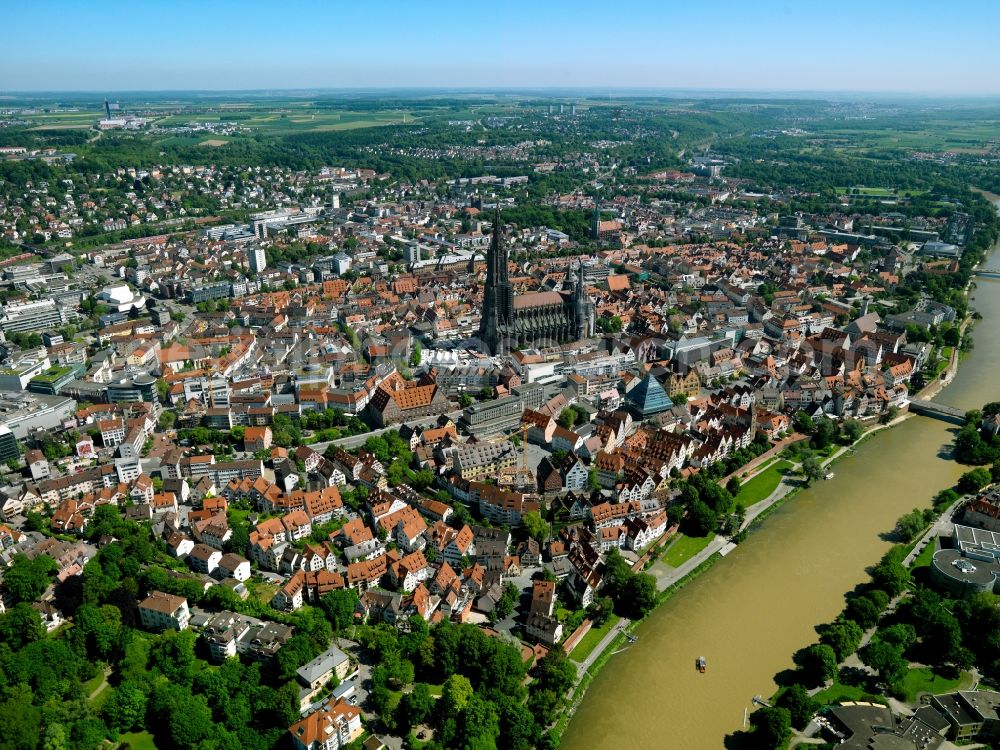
(142, 387)
(503, 414)
(55, 379)
(971, 566)
(17, 376)
(648, 399)
(23, 412)
(218, 290)
(34, 316)
(9, 447)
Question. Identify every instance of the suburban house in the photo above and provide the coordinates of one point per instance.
(256, 439)
(203, 558)
(160, 611)
(234, 566)
(331, 728)
(314, 675)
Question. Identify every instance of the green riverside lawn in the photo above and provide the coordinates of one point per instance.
(761, 486)
(923, 560)
(683, 548)
(589, 642)
(837, 693)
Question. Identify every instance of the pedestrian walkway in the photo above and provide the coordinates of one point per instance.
(583, 666)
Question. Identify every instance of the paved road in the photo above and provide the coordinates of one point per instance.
(942, 526)
(667, 576)
(583, 666)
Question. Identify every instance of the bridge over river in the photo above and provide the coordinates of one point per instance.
(938, 411)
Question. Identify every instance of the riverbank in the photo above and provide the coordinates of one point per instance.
(670, 581)
(916, 679)
(749, 611)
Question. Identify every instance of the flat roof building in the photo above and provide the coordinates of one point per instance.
(971, 566)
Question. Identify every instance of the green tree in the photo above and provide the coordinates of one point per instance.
(640, 593)
(28, 578)
(297, 651)
(973, 481)
(812, 469)
(886, 659)
(126, 708)
(455, 694)
(479, 725)
(20, 626)
(340, 607)
(417, 705)
(801, 708)
(803, 423)
(771, 727)
(843, 636)
(817, 662)
(863, 611)
(902, 634)
(191, 722)
(555, 672)
(852, 430)
(593, 480)
(890, 575)
(55, 737)
(824, 433)
(909, 525)
(939, 630)
(173, 655)
(536, 526)
(20, 720)
(945, 498)
(700, 520)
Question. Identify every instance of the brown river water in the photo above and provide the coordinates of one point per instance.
(754, 608)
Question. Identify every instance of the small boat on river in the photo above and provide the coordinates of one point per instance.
(701, 664)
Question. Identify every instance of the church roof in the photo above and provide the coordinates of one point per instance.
(537, 299)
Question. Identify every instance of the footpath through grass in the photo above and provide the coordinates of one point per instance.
(761, 486)
(589, 642)
(683, 548)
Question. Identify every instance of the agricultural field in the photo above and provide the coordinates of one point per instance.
(63, 120)
(930, 134)
(287, 119)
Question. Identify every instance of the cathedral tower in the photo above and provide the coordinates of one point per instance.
(498, 297)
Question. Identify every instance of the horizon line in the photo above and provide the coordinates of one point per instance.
(540, 88)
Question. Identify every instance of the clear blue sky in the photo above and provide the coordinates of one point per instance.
(925, 46)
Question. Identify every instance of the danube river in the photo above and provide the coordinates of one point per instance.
(754, 608)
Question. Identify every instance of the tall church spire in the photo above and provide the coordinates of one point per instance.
(498, 296)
